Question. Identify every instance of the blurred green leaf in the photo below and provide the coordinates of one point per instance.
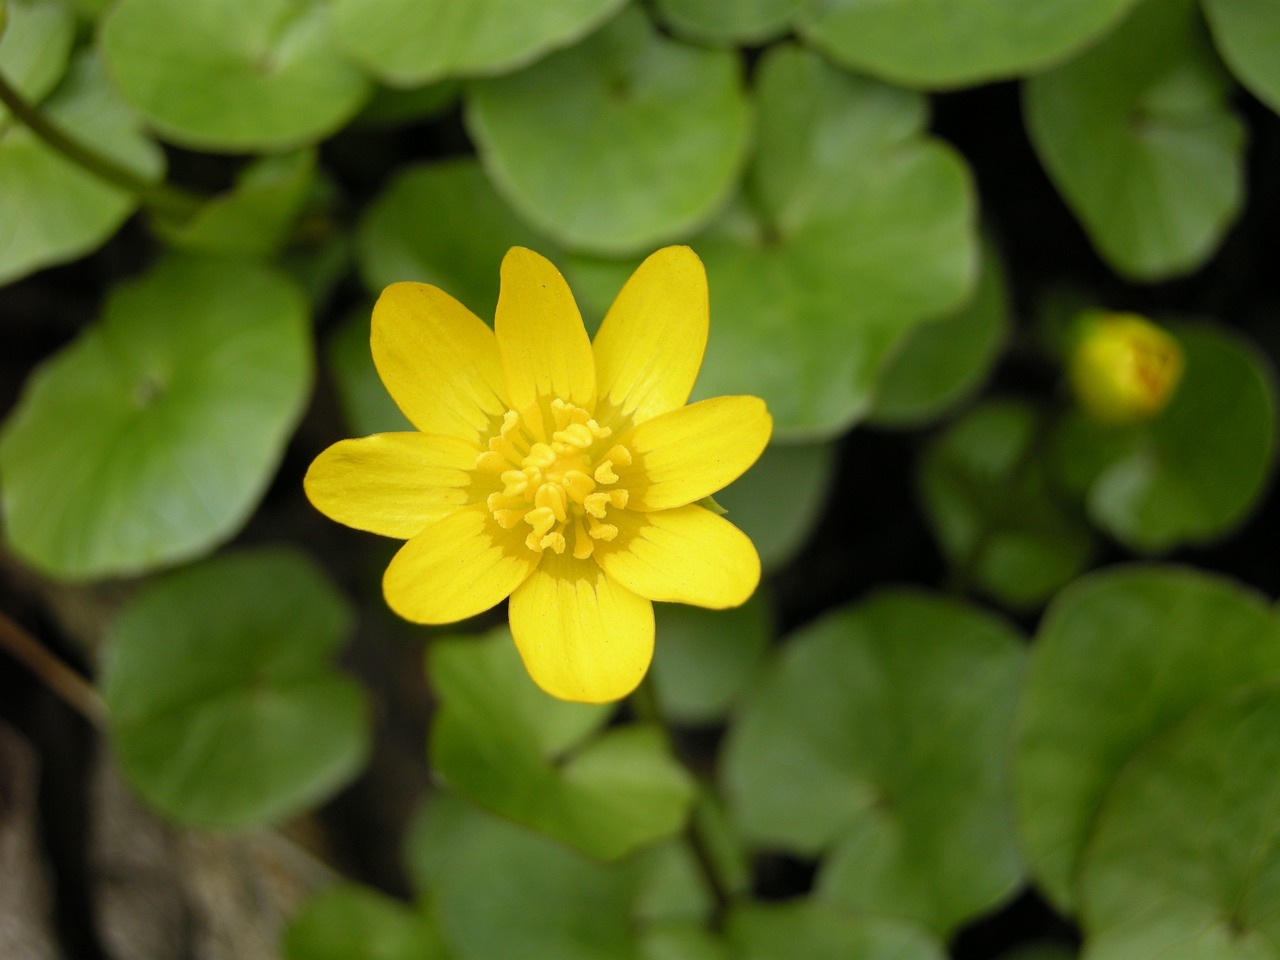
(942, 362)
(500, 741)
(1138, 138)
(954, 43)
(232, 75)
(819, 931)
(50, 209)
(684, 940)
(470, 230)
(740, 22)
(1185, 859)
(879, 738)
(349, 922)
(409, 42)
(367, 406)
(861, 229)
(1194, 472)
(1041, 951)
(618, 144)
(502, 892)
(1247, 34)
(150, 439)
(1121, 657)
(224, 708)
(778, 501)
(704, 659)
(392, 107)
(256, 217)
(35, 44)
(993, 509)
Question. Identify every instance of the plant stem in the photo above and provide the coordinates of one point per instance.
(161, 198)
(56, 675)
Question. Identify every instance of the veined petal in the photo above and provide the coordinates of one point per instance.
(690, 453)
(582, 637)
(392, 484)
(686, 555)
(544, 347)
(438, 361)
(456, 568)
(650, 346)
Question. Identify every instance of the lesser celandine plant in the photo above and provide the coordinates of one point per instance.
(882, 569)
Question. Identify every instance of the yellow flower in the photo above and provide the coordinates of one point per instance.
(563, 473)
(1124, 369)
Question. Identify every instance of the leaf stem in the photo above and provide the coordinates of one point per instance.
(160, 198)
(77, 692)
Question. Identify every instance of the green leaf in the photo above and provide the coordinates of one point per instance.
(502, 892)
(879, 738)
(819, 931)
(1193, 473)
(392, 107)
(471, 229)
(1185, 859)
(993, 509)
(954, 43)
(1137, 136)
(408, 42)
(367, 406)
(704, 659)
(860, 230)
(254, 219)
(150, 439)
(224, 708)
(618, 144)
(1121, 657)
(349, 922)
(1247, 34)
(51, 210)
(942, 362)
(1046, 950)
(232, 75)
(503, 743)
(741, 22)
(34, 47)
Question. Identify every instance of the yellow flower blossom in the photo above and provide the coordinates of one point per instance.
(558, 471)
(1124, 369)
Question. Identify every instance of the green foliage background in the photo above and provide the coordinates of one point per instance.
(1058, 739)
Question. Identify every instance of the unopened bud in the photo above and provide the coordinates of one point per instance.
(1123, 368)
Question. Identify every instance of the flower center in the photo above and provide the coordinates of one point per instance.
(560, 488)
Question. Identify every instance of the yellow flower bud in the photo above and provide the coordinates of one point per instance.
(1123, 368)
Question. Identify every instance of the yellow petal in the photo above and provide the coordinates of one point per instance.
(582, 636)
(544, 347)
(438, 361)
(650, 346)
(392, 484)
(686, 555)
(690, 453)
(456, 568)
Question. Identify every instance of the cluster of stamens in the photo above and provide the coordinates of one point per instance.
(557, 488)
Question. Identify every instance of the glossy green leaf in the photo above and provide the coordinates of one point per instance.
(232, 75)
(35, 43)
(502, 892)
(705, 659)
(1193, 473)
(367, 406)
(862, 228)
(224, 707)
(408, 42)
(1185, 859)
(820, 931)
(742, 22)
(942, 362)
(256, 217)
(879, 738)
(618, 144)
(1137, 136)
(994, 510)
(953, 43)
(50, 209)
(1120, 657)
(1247, 34)
(500, 741)
(149, 440)
(349, 922)
(442, 223)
